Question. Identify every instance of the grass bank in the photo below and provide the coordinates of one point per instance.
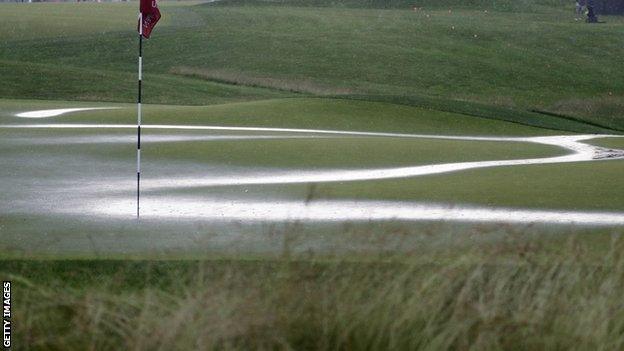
(528, 55)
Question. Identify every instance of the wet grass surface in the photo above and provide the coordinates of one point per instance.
(614, 143)
(278, 153)
(583, 185)
(41, 160)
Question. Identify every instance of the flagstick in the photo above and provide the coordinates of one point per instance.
(139, 115)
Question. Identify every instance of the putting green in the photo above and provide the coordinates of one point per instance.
(615, 143)
(588, 185)
(175, 153)
(81, 180)
(278, 151)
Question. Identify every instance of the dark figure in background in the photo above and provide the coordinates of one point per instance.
(591, 15)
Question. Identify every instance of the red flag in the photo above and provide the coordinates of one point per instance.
(150, 15)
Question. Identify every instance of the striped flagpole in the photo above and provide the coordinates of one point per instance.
(138, 194)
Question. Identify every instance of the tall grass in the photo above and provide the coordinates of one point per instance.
(510, 295)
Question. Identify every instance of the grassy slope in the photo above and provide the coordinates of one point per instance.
(499, 5)
(359, 113)
(77, 31)
(518, 59)
(310, 113)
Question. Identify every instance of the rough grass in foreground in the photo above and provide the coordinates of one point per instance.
(507, 295)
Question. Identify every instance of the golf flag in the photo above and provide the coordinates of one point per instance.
(149, 17)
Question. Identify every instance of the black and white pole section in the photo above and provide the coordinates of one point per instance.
(138, 190)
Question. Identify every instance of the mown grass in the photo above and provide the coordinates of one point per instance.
(583, 186)
(371, 113)
(518, 55)
(275, 152)
(349, 153)
(47, 82)
(579, 186)
(615, 143)
(512, 293)
(586, 185)
(498, 5)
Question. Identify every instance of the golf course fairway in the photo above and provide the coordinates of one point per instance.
(311, 175)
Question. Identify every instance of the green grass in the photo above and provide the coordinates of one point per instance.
(39, 164)
(518, 292)
(535, 118)
(351, 153)
(615, 143)
(527, 55)
(398, 115)
(50, 83)
(587, 185)
(499, 5)
(453, 67)
(282, 153)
